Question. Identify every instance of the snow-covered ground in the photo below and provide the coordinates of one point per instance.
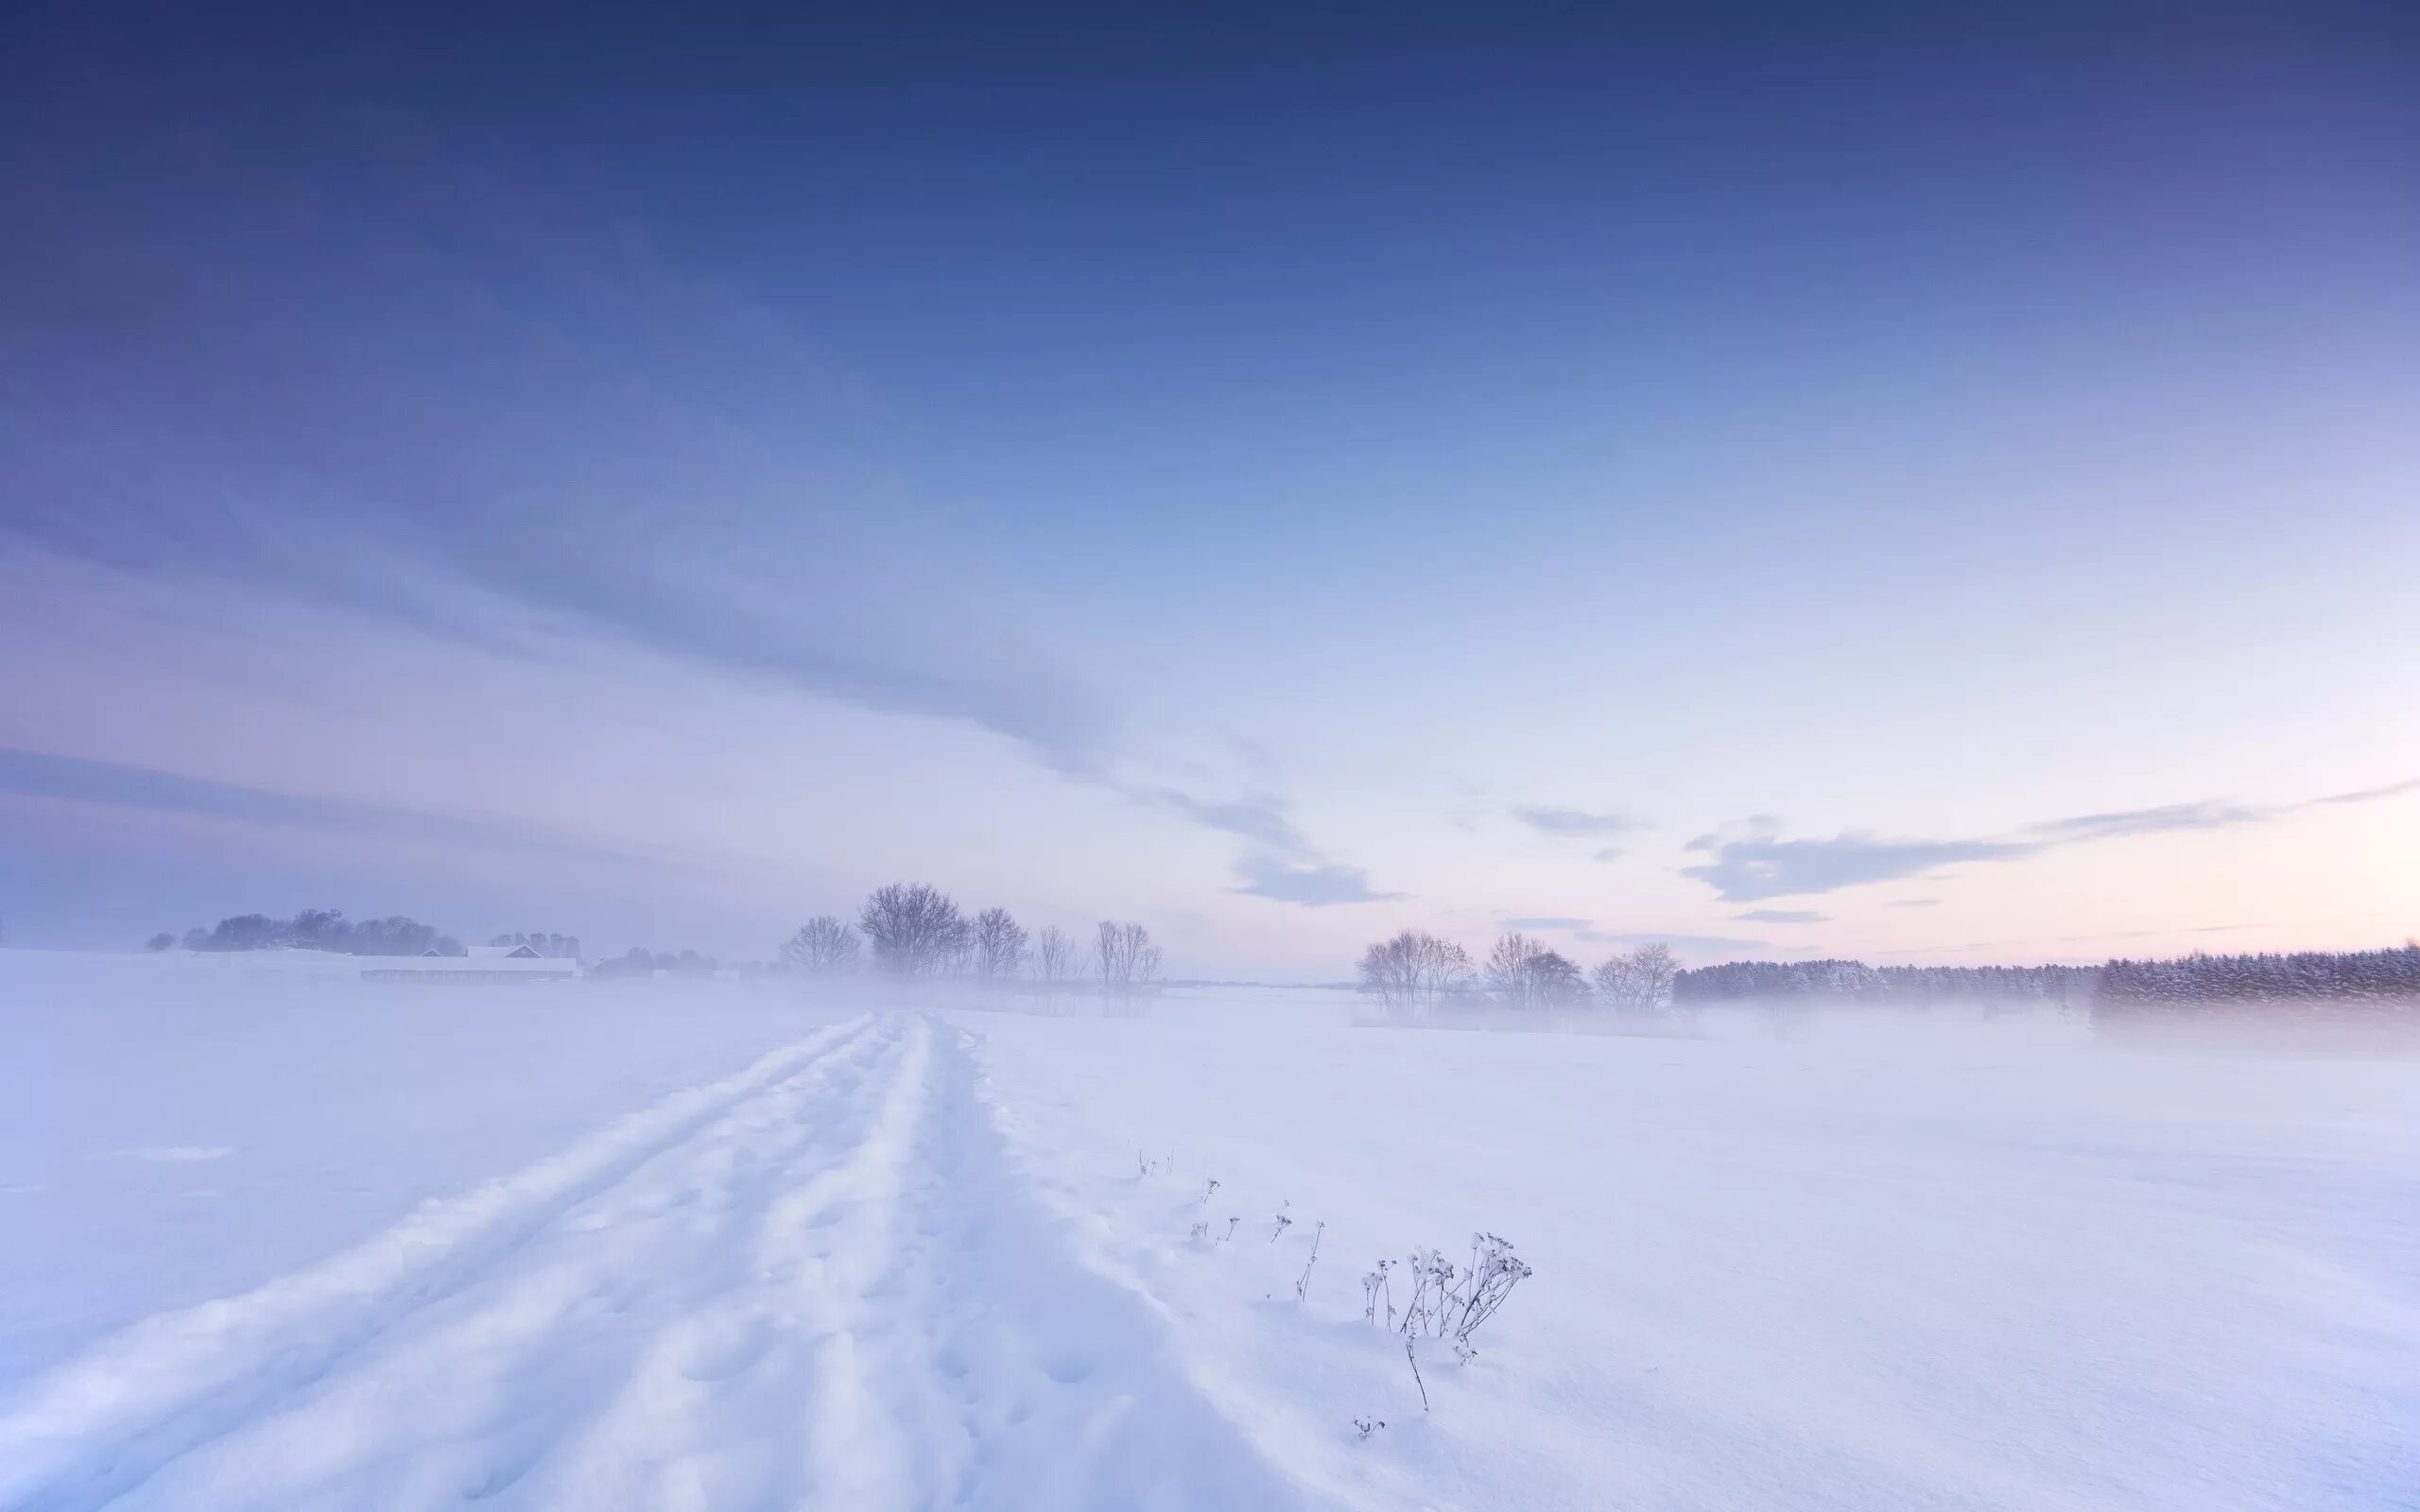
(280, 1240)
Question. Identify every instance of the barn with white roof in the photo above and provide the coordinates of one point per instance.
(485, 965)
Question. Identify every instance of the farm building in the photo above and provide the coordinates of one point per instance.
(486, 965)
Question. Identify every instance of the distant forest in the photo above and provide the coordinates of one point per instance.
(327, 929)
(1856, 982)
(317, 929)
(2119, 989)
(2149, 988)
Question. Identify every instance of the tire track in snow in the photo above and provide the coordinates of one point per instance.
(820, 1286)
(92, 1428)
(1025, 1379)
(738, 1435)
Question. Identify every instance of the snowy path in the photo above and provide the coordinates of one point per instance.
(813, 1285)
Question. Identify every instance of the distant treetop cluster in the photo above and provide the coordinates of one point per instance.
(913, 931)
(1856, 982)
(1415, 973)
(317, 929)
(327, 929)
(2306, 976)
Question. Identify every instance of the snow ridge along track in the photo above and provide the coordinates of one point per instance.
(813, 1285)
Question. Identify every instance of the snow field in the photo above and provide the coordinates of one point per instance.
(908, 1257)
(1978, 1268)
(807, 1285)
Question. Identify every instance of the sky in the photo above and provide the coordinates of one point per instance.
(1885, 483)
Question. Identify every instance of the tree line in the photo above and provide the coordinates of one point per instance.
(2371, 978)
(317, 929)
(1415, 973)
(1856, 982)
(639, 961)
(913, 931)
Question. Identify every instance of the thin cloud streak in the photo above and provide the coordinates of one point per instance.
(1259, 818)
(1705, 944)
(1317, 885)
(1283, 866)
(1572, 824)
(1755, 863)
(112, 784)
(533, 426)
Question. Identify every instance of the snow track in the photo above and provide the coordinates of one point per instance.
(813, 1284)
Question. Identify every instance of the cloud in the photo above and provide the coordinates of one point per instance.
(2070, 940)
(1609, 852)
(1283, 865)
(1315, 886)
(2367, 794)
(1916, 903)
(74, 779)
(1783, 916)
(1544, 921)
(1259, 817)
(1572, 823)
(1698, 944)
(2204, 816)
(484, 417)
(1755, 867)
(1753, 862)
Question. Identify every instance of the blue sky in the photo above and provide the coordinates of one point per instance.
(1916, 486)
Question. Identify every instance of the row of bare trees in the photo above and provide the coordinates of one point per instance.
(1414, 973)
(913, 931)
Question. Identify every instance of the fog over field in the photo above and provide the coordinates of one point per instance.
(287, 1238)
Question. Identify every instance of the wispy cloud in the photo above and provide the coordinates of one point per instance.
(1610, 853)
(1692, 944)
(1283, 865)
(535, 430)
(1783, 915)
(1259, 818)
(1758, 867)
(2206, 816)
(1317, 886)
(1752, 862)
(2071, 939)
(74, 779)
(1544, 921)
(1572, 824)
(2367, 794)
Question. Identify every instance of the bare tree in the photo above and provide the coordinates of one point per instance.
(1412, 971)
(824, 946)
(1055, 958)
(1127, 958)
(1639, 983)
(1508, 969)
(1656, 967)
(1554, 978)
(1525, 974)
(1000, 946)
(915, 929)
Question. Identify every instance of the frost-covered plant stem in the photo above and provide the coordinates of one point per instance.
(1374, 1289)
(1303, 1286)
